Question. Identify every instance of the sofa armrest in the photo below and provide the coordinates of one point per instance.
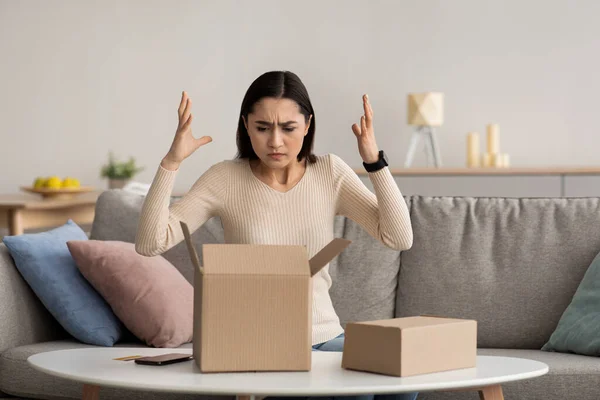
(23, 318)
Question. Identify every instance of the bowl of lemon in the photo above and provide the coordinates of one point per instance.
(53, 187)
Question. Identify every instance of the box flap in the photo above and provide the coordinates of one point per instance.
(258, 259)
(327, 253)
(190, 246)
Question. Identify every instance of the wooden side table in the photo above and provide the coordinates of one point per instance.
(20, 211)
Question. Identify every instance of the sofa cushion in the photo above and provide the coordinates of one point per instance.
(116, 218)
(365, 277)
(570, 377)
(18, 378)
(45, 263)
(511, 264)
(148, 294)
(578, 330)
(24, 319)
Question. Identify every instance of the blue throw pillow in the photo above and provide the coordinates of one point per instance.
(44, 261)
(578, 330)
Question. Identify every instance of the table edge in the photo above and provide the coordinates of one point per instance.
(430, 387)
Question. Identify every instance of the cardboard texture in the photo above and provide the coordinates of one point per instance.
(411, 345)
(253, 305)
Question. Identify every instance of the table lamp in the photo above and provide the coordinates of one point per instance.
(425, 111)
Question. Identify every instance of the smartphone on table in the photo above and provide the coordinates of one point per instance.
(164, 359)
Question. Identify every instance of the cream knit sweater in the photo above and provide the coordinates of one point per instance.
(253, 212)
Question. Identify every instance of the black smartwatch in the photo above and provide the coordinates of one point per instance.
(377, 165)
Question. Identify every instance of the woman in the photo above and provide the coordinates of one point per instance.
(276, 191)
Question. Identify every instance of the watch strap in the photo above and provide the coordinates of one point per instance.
(377, 165)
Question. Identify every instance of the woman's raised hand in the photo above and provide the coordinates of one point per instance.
(184, 143)
(365, 135)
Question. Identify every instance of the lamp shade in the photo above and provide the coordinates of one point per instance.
(426, 109)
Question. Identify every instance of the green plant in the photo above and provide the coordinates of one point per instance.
(119, 170)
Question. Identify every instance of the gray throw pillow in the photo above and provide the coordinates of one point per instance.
(578, 330)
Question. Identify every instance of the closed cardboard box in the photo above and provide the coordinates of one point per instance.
(253, 305)
(411, 345)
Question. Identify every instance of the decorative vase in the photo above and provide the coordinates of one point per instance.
(115, 183)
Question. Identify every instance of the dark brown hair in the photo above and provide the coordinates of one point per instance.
(276, 84)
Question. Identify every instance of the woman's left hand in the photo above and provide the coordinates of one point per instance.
(365, 135)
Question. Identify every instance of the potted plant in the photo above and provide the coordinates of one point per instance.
(119, 173)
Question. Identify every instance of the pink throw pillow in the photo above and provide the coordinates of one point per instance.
(148, 294)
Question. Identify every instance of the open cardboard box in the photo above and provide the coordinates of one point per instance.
(253, 305)
(410, 345)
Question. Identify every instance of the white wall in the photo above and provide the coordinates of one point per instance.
(79, 78)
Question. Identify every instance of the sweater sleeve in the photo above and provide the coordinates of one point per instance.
(159, 226)
(384, 215)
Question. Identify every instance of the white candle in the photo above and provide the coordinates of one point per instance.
(493, 138)
(473, 149)
(497, 160)
(486, 160)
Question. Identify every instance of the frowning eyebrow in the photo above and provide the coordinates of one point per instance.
(280, 124)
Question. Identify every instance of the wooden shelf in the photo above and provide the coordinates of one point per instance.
(449, 171)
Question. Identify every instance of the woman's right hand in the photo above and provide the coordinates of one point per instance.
(184, 143)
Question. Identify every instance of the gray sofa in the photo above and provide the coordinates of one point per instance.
(511, 264)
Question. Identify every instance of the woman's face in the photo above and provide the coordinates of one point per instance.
(277, 128)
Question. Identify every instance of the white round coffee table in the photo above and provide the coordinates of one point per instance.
(96, 367)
